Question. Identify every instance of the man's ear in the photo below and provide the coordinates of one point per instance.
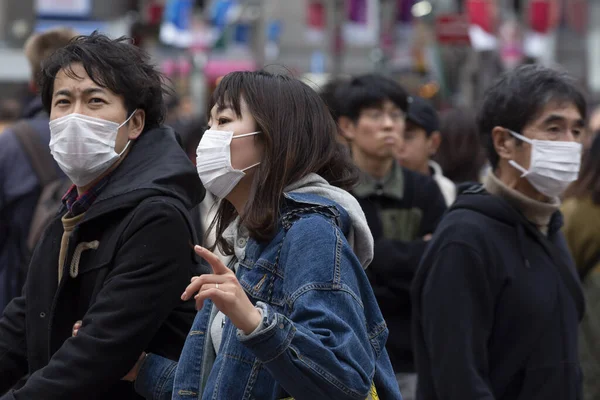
(504, 143)
(136, 124)
(347, 127)
(434, 141)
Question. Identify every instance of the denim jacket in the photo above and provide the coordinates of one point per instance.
(323, 335)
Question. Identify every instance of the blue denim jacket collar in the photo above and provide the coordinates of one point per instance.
(301, 202)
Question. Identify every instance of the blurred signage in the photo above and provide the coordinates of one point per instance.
(81, 27)
(577, 15)
(404, 14)
(544, 15)
(216, 68)
(483, 13)
(175, 28)
(452, 29)
(64, 8)
(363, 21)
(316, 21)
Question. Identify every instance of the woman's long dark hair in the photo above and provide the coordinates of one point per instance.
(298, 135)
(588, 184)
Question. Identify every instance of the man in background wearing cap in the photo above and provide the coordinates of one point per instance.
(421, 141)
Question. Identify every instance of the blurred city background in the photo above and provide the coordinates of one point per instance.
(444, 50)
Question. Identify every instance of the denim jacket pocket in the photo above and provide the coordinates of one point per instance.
(262, 282)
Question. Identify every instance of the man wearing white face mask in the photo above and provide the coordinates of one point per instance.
(119, 252)
(496, 300)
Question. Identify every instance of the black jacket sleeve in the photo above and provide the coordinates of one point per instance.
(151, 270)
(13, 350)
(456, 306)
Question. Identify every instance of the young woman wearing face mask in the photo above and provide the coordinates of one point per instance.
(293, 315)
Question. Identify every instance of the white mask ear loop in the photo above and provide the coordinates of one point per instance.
(245, 134)
(252, 166)
(518, 167)
(127, 120)
(521, 137)
(128, 141)
(513, 162)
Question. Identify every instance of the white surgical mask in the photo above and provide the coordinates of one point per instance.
(553, 167)
(84, 147)
(213, 161)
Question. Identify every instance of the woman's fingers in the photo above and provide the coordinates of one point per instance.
(202, 280)
(215, 262)
(218, 296)
(76, 328)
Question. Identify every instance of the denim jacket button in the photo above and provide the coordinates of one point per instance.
(42, 315)
(241, 242)
(281, 326)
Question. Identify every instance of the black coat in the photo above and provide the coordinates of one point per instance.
(494, 315)
(127, 292)
(414, 214)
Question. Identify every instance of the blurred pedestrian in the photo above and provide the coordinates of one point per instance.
(402, 207)
(21, 180)
(460, 155)
(593, 128)
(582, 230)
(293, 315)
(421, 142)
(118, 253)
(10, 110)
(496, 299)
(484, 65)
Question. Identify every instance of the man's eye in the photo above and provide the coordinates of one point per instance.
(96, 100)
(61, 101)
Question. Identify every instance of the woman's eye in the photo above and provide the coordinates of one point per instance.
(223, 121)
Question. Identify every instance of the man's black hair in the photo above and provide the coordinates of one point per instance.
(330, 95)
(368, 91)
(117, 65)
(519, 96)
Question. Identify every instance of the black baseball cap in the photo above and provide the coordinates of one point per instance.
(422, 113)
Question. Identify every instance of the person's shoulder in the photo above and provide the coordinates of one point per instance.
(168, 210)
(11, 153)
(463, 225)
(445, 182)
(8, 140)
(8, 137)
(424, 187)
(311, 227)
(417, 177)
